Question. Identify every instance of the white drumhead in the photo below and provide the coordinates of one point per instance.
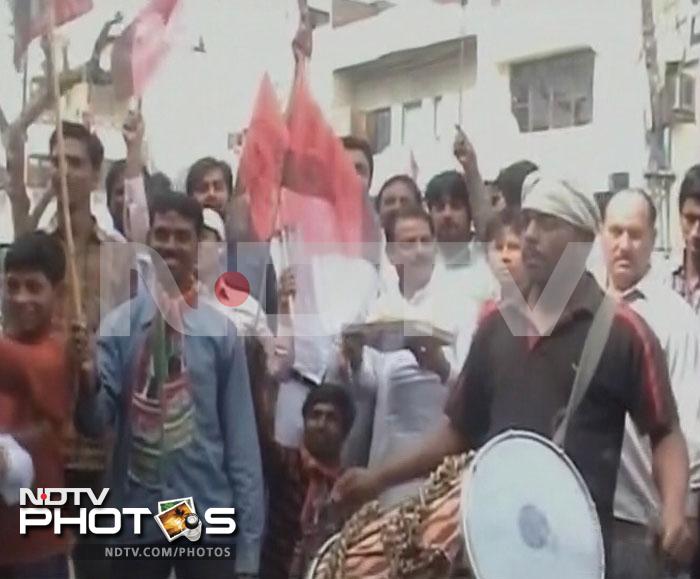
(527, 513)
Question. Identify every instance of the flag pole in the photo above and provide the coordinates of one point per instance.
(62, 169)
(25, 79)
(462, 32)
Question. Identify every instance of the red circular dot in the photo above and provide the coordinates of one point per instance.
(232, 289)
(43, 496)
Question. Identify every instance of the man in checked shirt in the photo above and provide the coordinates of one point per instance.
(685, 275)
(299, 480)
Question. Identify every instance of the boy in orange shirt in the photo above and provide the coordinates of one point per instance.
(36, 397)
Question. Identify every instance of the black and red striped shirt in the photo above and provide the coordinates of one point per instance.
(515, 382)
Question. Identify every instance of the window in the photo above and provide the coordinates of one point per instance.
(554, 92)
(437, 117)
(379, 129)
(410, 130)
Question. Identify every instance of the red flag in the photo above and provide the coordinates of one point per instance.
(141, 47)
(317, 165)
(262, 159)
(31, 19)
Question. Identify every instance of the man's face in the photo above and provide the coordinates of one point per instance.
(29, 302)
(323, 432)
(451, 219)
(82, 179)
(212, 191)
(690, 226)
(413, 252)
(174, 238)
(544, 241)
(116, 202)
(498, 201)
(505, 255)
(627, 239)
(394, 197)
(361, 168)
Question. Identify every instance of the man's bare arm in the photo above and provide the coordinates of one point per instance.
(360, 485)
(479, 200)
(671, 472)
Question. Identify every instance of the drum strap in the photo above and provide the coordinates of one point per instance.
(593, 348)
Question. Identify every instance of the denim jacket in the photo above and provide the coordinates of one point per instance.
(221, 464)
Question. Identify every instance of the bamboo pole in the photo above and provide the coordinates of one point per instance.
(62, 168)
(462, 32)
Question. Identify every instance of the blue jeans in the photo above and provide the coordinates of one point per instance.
(55, 567)
(635, 555)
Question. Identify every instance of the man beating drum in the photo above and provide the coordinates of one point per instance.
(521, 368)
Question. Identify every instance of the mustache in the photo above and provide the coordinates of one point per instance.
(530, 252)
(169, 253)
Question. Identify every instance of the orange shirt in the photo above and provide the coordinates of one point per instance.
(36, 405)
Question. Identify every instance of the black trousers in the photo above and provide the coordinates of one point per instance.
(695, 568)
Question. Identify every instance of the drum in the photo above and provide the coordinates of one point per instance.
(420, 537)
(517, 509)
(527, 514)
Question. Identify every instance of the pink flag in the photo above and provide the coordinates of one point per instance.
(141, 48)
(31, 19)
(262, 159)
(318, 166)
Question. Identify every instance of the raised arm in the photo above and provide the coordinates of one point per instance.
(479, 200)
(99, 379)
(136, 216)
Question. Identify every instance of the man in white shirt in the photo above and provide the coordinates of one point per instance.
(462, 262)
(332, 290)
(400, 394)
(627, 240)
(396, 192)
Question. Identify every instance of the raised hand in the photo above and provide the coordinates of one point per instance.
(355, 487)
(133, 132)
(287, 290)
(464, 151)
(81, 352)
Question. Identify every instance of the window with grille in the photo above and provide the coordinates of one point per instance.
(379, 129)
(554, 92)
(411, 123)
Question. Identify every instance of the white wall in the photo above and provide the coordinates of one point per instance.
(508, 32)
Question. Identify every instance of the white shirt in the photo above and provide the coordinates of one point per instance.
(469, 271)
(19, 472)
(673, 322)
(332, 291)
(401, 400)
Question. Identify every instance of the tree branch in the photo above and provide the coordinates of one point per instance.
(38, 211)
(13, 134)
(90, 71)
(17, 190)
(4, 123)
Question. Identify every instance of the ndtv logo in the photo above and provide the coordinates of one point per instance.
(101, 520)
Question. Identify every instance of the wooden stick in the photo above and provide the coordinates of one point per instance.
(62, 168)
(463, 31)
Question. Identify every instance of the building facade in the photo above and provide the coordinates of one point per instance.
(562, 83)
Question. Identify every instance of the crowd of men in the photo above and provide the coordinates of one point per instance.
(223, 393)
